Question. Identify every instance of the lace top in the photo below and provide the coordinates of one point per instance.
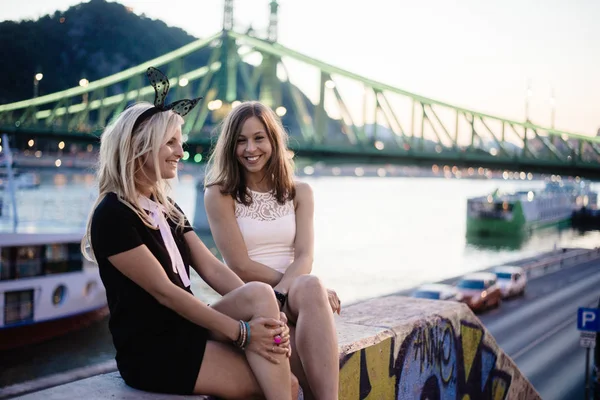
(268, 229)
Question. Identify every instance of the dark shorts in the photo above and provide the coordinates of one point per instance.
(169, 363)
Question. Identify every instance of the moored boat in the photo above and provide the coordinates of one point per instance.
(47, 287)
(515, 214)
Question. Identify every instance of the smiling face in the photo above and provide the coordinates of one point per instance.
(253, 148)
(168, 157)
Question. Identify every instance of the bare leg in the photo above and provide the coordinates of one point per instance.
(223, 364)
(252, 300)
(298, 369)
(315, 336)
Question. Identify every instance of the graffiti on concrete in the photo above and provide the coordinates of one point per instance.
(434, 362)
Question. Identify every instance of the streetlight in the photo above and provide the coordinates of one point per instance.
(84, 83)
(36, 81)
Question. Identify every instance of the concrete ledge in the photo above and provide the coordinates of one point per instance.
(392, 347)
(107, 386)
(426, 349)
(57, 379)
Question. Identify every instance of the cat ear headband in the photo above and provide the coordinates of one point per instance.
(160, 83)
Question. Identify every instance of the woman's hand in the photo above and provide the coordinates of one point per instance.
(262, 337)
(285, 336)
(334, 301)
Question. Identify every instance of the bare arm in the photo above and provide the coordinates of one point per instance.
(220, 210)
(140, 265)
(217, 275)
(305, 237)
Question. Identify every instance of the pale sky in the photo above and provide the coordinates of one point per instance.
(477, 54)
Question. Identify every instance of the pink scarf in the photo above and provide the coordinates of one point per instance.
(157, 214)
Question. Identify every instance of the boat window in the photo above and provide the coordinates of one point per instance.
(426, 294)
(75, 257)
(18, 307)
(57, 259)
(471, 284)
(28, 262)
(61, 258)
(5, 262)
(503, 207)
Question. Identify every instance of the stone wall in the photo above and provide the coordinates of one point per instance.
(392, 347)
(423, 349)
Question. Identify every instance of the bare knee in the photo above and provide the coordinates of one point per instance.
(309, 289)
(260, 295)
(310, 283)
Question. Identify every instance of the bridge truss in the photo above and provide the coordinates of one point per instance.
(348, 118)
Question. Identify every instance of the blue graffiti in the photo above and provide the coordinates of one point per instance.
(428, 363)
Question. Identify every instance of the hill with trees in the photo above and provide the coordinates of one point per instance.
(90, 40)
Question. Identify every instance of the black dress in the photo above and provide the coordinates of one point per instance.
(157, 349)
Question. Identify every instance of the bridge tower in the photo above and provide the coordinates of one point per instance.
(270, 91)
(228, 15)
(227, 77)
(273, 22)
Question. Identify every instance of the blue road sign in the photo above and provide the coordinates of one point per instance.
(588, 319)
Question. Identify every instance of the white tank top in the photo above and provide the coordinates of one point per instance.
(269, 229)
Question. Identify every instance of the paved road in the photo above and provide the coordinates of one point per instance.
(539, 330)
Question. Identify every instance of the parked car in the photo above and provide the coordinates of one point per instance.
(480, 290)
(438, 291)
(512, 281)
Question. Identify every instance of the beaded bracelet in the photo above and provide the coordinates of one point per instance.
(247, 333)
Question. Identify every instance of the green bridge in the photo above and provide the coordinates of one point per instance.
(350, 118)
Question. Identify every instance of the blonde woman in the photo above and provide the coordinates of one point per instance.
(166, 339)
(262, 222)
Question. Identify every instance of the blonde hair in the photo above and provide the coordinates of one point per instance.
(123, 154)
(224, 169)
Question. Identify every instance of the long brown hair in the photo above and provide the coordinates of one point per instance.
(224, 169)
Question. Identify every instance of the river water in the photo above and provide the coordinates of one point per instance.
(373, 236)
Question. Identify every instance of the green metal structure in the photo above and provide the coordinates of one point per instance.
(350, 118)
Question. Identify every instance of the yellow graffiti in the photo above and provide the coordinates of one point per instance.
(377, 360)
(499, 388)
(350, 378)
(383, 386)
(471, 339)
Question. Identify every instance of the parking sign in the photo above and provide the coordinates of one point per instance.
(588, 319)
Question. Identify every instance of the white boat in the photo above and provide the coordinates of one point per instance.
(46, 287)
(516, 213)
